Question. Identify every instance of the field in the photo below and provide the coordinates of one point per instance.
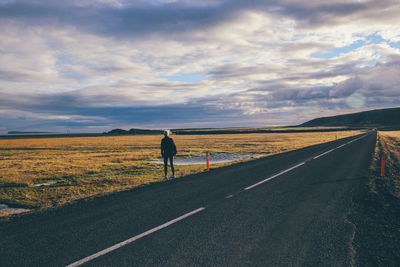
(48, 172)
(389, 147)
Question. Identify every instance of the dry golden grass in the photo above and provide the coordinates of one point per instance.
(394, 134)
(88, 166)
(389, 146)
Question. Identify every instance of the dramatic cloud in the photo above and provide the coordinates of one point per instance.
(97, 65)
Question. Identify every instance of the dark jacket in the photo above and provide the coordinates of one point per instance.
(168, 147)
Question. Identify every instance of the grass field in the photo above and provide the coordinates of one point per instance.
(82, 167)
(388, 145)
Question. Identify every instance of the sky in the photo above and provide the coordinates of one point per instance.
(97, 65)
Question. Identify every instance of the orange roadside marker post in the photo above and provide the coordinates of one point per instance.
(208, 161)
(383, 166)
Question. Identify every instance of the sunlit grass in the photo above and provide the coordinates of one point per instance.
(88, 166)
(388, 145)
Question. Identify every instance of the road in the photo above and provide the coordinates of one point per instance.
(284, 210)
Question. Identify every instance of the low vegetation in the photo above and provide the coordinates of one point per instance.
(388, 146)
(47, 172)
(377, 212)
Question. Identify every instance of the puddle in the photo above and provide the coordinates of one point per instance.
(214, 158)
(6, 208)
(45, 184)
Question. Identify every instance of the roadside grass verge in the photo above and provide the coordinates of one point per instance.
(48, 172)
(377, 212)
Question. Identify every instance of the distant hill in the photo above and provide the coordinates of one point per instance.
(132, 132)
(379, 118)
(237, 130)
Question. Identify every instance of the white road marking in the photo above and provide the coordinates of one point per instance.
(320, 155)
(298, 165)
(274, 176)
(132, 239)
(229, 196)
(329, 151)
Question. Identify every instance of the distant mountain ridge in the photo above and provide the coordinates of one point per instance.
(379, 118)
(237, 130)
(133, 132)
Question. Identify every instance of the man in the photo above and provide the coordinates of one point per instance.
(168, 151)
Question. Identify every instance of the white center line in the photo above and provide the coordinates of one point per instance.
(274, 176)
(320, 155)
(132, 239)
(298, 165)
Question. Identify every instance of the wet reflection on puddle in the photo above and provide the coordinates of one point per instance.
(6, 208)
(214, 158)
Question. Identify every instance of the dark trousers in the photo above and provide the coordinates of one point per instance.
(171, 162)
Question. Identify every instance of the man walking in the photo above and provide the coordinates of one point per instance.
(168, 151)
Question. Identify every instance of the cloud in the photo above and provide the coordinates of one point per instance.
(116, 18)
(109, 63)
(346, 88)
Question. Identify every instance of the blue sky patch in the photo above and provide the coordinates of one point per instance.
(394, 44)
(62, 60)
(370, 39)
(185, 77)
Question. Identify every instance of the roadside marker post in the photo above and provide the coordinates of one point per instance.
(208, 161)
(383, 166)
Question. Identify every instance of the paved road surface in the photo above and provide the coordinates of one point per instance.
(284, 210)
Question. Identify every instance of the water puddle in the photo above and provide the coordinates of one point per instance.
(214, 158)
(45, 184)
(6, 208)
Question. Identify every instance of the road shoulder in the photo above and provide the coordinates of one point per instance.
(376, 211)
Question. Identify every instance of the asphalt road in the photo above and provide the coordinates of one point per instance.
(285, 210)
